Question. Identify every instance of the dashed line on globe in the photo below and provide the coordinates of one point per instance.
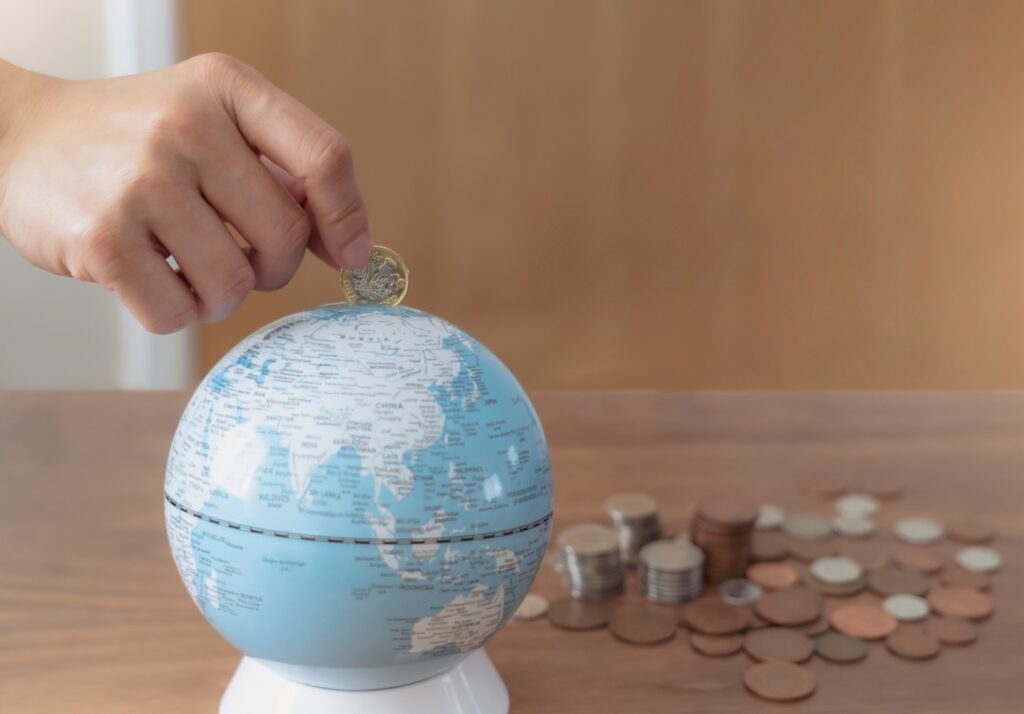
(360, 541)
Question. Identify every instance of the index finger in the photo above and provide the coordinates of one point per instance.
(307, 147)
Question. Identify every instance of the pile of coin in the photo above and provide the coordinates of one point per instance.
(635, 518)
(722, 528)
(912, 597)
(590, 561)
(670, 571)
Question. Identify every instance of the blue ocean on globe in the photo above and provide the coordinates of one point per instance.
(358, 495)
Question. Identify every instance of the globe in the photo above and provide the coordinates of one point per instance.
(358, 496)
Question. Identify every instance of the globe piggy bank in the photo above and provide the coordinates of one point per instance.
(358, 496)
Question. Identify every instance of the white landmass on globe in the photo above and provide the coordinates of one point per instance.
(465, 622)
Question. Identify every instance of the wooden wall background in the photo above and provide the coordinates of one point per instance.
(676, 194)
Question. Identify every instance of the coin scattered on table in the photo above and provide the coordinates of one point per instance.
(789, 606)
(779, 681)
(858, 505)
(778, 643)
(979, 559)
(970, 532)
(912, 644)
(881, 488)
(813, 629)
(772, 576)
(807, 551)
(836, 570)
(919, 558)
(532, 607)
(906, 608)
(863, 621)
(919, 531)
(712, 616)
(955, 575)
(384, 280)
(895, 581)
(768, 546)
(806, 526)
(836, 647)
(870, 554)
(769, 517)
(739, 591)
(641, 626)
(578, 614)
(960, 602)
(952, 630)
(854, 526)
(716, 645)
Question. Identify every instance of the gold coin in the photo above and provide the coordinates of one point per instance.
(384, 280)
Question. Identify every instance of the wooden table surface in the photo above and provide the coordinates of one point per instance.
(93, 617)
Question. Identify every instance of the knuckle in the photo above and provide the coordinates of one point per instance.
(100, 245)
(294, 231)
(216, 65)
(329, 153)
(141, 184)
(239, 283)
(164, 322)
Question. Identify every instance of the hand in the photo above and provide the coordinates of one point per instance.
(103, 180)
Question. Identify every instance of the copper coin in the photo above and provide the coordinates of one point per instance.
(575, 614)
(912, 644)
(841, 648)
(778, 643)
(789, 606)
(952, 630)
(772, 576)
(712, 616)
(807, 551)
(757, 622)
(960, 602)
(896, 581)
(641, 626)
(970, 532)
(768, 545)
(919, 559)
(779, 681)
(955, 575)
(716, 645)
(863, 621)
(728, 511)
(818, 627)
(871, 554)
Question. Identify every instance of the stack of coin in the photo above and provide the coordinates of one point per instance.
(591, 564)
(635, 517)
(670, 571)
(722, 528)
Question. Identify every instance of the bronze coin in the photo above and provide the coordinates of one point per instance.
(768, 545)
(807, 551)
(757, 622)
(836, 647)
(575, 614)
(960, 602)
(815, 628)
(871, 554)
(952, 630)
(789, 606)
(970, 532)
(919, 559)
(711, 616)
(957, 576)
(716, 645)
(728, 511)
(778, 643)
(896, 581)
(772, 576)
(779, 681)
(865, 622)
(912, 644)
(641, 626)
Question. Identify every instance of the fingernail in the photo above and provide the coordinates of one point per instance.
(356, 253)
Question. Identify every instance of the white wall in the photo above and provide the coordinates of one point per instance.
(55, 332)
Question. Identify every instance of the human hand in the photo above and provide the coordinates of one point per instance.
(103, 180)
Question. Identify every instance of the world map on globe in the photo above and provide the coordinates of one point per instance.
(359, 488)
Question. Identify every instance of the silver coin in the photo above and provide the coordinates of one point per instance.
(672, 555)
(739, 591)
(806, 526)
(769, 517)
(906, 608)
(836, 570)
(532, 607)
(630, 506)
(919, 531)
(588, 539)
(979, 559)
(857, 504)
(854, 526)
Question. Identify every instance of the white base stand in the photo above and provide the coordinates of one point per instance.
(473, 686)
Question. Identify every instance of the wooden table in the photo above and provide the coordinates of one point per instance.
(93, 617)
